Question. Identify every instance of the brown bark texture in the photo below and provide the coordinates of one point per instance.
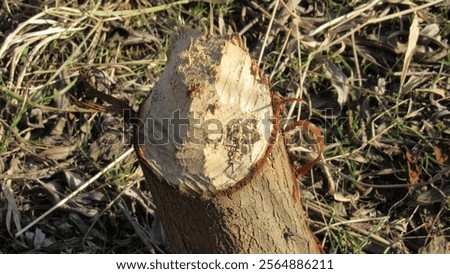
(209, 144)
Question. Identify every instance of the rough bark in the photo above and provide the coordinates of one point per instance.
(211, 152)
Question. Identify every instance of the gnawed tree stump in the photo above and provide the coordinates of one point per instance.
(209, 144)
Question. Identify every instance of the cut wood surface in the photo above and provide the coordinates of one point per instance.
(211, 151)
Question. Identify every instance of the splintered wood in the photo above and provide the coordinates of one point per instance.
(209, 116)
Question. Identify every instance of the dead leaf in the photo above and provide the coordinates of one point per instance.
(437, 245)
(143, 199)
(414, 32)
(39, 238)
(34, 118)
(58, 129)
(84, 228)
(12, 210)
(90, 197)
(74, 180)
(414, 164)
(433, 196)
(107, 146)
(346, 198)
(127, 36)
(58, 153)
(338, 80)
(400, 224)
(431, 30)
(438, 91)
(413, 82)
(442, 152)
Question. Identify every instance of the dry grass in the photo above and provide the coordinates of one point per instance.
(374, 77)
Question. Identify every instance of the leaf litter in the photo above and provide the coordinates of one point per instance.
(385, 93)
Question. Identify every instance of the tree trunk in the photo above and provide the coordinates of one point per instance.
(209, 144)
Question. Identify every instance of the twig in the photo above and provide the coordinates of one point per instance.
(378, 20)
(346, 222)
(344, 18)
(267, 33)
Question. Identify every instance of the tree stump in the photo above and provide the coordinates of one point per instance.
(209, 144)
